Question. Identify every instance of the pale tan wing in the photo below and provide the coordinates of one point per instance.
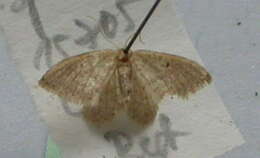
(79, 79)
(108, 103)
(170, 74)
(142, 108)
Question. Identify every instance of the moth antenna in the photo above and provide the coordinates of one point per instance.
(138, 31)
(103, 34)
(139, 37)
(106, 38)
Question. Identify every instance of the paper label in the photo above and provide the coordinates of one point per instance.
(42, 32)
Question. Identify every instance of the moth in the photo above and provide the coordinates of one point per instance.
(107, 82)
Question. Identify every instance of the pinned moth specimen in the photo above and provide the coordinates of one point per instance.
(107, 82)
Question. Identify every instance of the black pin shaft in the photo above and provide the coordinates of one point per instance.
(138, 31)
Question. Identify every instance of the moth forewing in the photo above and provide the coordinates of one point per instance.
(181, 76)
(78, 78)
(150, 78)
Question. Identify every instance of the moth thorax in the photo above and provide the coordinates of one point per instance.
(125, 73)
(124, 57)
(124, 70)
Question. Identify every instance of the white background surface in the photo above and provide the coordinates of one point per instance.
(230, 52)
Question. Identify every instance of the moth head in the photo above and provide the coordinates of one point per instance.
(124, 57)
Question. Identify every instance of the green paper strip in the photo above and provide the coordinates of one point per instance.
(53, 150)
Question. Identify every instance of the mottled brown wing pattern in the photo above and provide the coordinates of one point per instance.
(141, 107)
(170, 74)
(79, 79)
(150, 77)
(108, 104)
(93, 80)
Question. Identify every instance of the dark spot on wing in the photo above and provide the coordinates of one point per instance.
(167, 64)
